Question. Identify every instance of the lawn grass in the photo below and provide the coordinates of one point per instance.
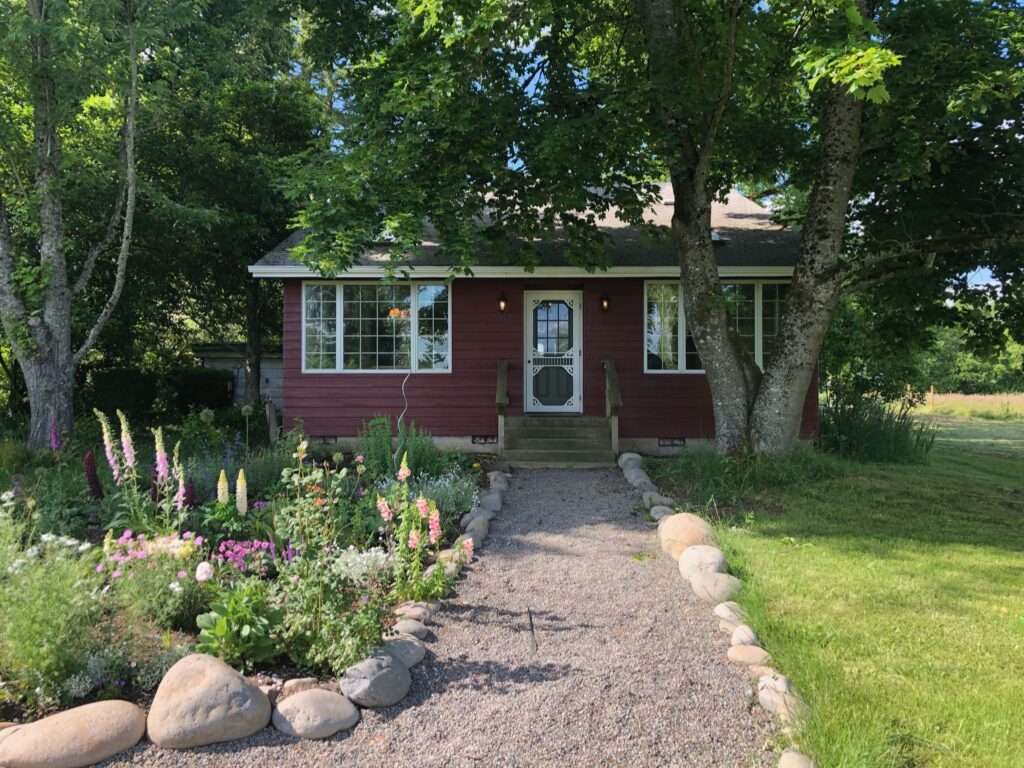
(893, 596)
(1001, 407)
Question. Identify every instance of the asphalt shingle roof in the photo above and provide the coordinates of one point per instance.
(748, 238)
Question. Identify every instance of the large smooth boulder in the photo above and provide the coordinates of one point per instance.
(407, 649)
(677, 532)
(748, 655)
(314, 714)
(744, 635)
(379, 681)
(75, 738)
(792, 758)
(475, 513)
(701, 557)
(731, 611)
(411, 627)
(714, 587)
(778, 696)
(654, 499)
(491, 501)
(202, 700)
(629, 459)
(497, 480)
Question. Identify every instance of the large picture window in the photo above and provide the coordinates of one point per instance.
(754, 308)
(383, 327)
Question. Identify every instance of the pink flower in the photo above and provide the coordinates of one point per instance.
(99, 568)
(115, 574)
(204, 572)
(435, 527)
(423, 507)
(467, 546)
(360, 459)
(127, 447)
(163, 469)
(403, 474)
(414, 539)
(182, 574)
(384, 509)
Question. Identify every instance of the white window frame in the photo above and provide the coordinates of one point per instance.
(758, 322)
(413, 320)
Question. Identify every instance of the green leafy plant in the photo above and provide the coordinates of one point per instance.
(241, 626)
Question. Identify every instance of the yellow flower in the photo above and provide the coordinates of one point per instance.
(223, 496)
(241, 494)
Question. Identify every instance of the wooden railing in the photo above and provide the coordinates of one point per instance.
(501, 401)
(612, 401)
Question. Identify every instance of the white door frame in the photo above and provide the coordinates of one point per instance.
(575, 366)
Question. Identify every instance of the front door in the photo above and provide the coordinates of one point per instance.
(554, 352)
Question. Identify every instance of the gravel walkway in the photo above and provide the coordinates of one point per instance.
(628, 668)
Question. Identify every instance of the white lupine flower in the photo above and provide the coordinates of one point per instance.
(46, 538)
(175, 587)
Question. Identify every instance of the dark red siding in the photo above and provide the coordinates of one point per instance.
(462, 402)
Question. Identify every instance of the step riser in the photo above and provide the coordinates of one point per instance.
(561, 457)
(557, 421)
(560, 434)
(556, 444)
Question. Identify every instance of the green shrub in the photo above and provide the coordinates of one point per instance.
(418, 449)
(383, 455)
(454, 492)
(49, 608)
(376, 447)
(193, 389)
(129, 390)
(862, 427)
(241, 626)
(704, 476)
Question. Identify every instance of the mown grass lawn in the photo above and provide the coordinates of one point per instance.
(893, 596)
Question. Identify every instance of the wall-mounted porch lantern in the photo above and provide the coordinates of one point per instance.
(605, 301)
(502, 302)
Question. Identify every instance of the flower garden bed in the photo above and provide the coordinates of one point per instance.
(298, 605)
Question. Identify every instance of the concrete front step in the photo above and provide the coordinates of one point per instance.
(575, 458)
(557, 443)
(563, 420)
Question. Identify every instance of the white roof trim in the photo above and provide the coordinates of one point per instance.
(373, 271)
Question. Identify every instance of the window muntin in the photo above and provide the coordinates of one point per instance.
(320, 342)
(754, 307)
(741, 309)
(773, 303)
(662, 327)
(433, 349)
(383, 327)
(552, 327)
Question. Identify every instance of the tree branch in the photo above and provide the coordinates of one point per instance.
(711, 131)
(90, 260)
(130, 194)
(12, 309)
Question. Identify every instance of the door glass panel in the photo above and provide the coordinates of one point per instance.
(552, 327)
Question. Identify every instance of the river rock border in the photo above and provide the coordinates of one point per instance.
(202, 701)
(690, 541)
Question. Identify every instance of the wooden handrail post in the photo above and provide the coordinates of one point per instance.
(501, 402)
(612, 401)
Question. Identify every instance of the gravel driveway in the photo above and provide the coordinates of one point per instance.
(628, 669)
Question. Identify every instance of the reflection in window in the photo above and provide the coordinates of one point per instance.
(773, 304)
(321, 327)
(377, 332)
(432, 327)
(663, 327)
(552, 329)
(740, 308)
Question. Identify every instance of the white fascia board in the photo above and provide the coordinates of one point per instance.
(371, 271)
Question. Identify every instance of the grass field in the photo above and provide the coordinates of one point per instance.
(1002, 407)
(893, 596)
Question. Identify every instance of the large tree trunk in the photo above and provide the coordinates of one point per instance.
(253, 340)
(731, 372)
(49, 379)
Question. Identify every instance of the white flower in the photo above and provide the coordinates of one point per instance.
(175, 587)
(46, 538)
(204, 572)
(84, 547)
(67, 541)
(31, 552)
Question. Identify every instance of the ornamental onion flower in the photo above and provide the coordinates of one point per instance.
(384, 509)
(423, 507)
(414, 539)
(127, 447)
(163, 470)
(435, 527)
(223, 496)
(204, 572)
(241, 494)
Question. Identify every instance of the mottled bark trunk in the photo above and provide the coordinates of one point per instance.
(731, 372)
(776, 415)
(49, 378)
(253, 340)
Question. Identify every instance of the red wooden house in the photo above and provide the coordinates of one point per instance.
(557, 364)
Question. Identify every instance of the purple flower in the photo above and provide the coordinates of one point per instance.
(55, 444)
(91, 476)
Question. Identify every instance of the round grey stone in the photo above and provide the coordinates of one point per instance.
(714, 587)
(407, 649)
(491, 501)
(314, 714)
(749, 655)
(297, 684)
(420, 613)
(411, 627)
(629, 458)
(732, 611)
(744, 635)
(701, 557)
(379, 681)
(658, 512)
(497, 480)
(654, 499)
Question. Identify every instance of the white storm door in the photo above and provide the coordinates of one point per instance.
(554, 351)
